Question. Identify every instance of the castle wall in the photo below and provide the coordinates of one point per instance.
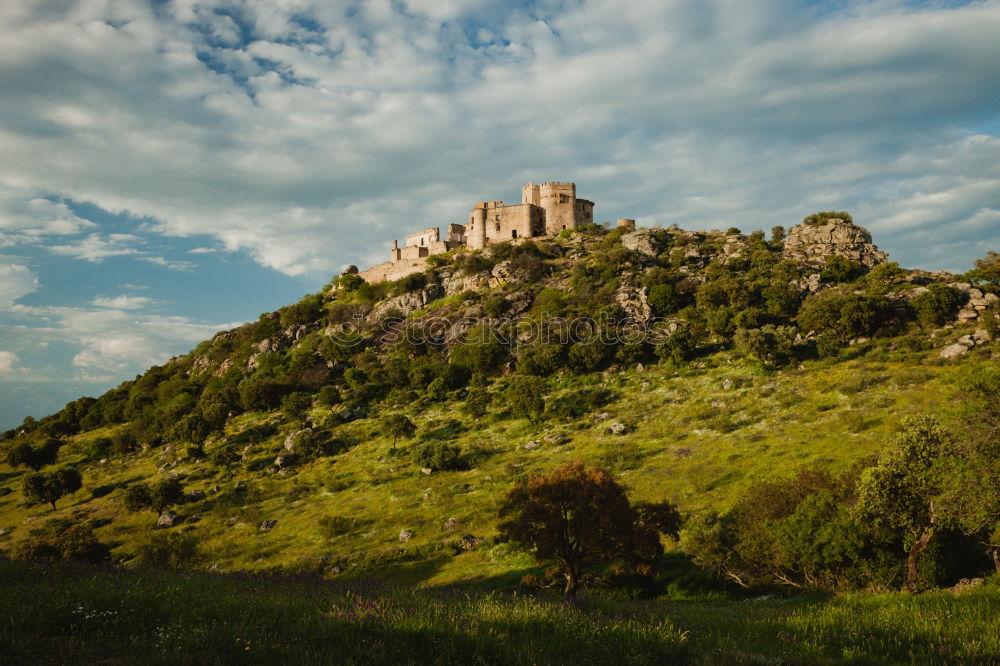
(584, 212)
(393, 270)
(518, 221)
(456, 233)
(424, 238)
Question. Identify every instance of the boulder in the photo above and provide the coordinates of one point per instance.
(167, 519)
(194, 496)
(643, 241)
(532, 445)
(267, 525)
(426, 470)
(405, 535)
(469, 542)
(811, 245)
(450, 524)
(284, 460)
(967, 314)
(952, 352)
(555, 438)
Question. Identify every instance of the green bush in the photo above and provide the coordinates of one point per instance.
(439, 456)
(98, 448)
(819, 219)
(167, 549)
(937, 305)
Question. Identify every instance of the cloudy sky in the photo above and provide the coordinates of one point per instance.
(172, 167)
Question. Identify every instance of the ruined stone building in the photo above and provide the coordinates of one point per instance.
(545, 210)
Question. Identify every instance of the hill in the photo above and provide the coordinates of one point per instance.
(374, 428)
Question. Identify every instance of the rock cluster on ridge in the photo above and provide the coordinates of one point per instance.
(812, 244)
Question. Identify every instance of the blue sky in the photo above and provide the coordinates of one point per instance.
(171, 168)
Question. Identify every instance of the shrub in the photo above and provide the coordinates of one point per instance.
(819, 219)
(98, 448)
(76, 543)
(937, 305)
(770, 345)
(587, 356)
(477, 402)
(578, 403)
(329, 396)
(167, 549)
(439, 456)
(495, 305)
(663, 299)
(524, 395)
(678, 347)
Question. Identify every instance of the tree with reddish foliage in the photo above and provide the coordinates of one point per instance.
(577, 516)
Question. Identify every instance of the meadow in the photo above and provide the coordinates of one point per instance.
(72, 613)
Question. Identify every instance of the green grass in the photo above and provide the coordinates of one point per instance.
(692, 442)
(60, 613)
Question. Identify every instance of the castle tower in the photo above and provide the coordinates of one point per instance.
(559, 202)
(475, 233)
(530, 194)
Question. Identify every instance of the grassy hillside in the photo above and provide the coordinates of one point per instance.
(697, 428)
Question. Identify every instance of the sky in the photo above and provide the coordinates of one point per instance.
(171, 168)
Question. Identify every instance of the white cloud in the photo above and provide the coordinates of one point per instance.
(96, 248)
(171, 264)
(16, 280)
(26, 216)
(8, 363)
(122, 302)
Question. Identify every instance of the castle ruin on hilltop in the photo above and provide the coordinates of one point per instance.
(545, 210)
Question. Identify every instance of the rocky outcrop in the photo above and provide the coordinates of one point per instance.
(644, 242)
(407, 303)
(811, 244)
(632, 298)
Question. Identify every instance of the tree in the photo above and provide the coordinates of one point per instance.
(525, 396)
(50, 486)
(846, 314)
(35, 457)
(158, 496)
(576, 516)
(398, 425)
(777, 235)
(296, 405)
(902, 491)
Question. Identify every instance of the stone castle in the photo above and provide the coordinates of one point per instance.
(545, 210)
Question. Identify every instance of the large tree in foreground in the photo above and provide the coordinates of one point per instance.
(905, 491)
(576, 516)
